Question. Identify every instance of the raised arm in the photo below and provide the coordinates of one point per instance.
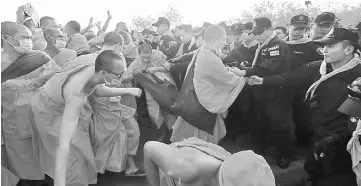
(104, 91)
(105, 26)
(90, 25)
(74, 103)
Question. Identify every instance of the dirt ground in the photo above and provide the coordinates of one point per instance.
(288, 177)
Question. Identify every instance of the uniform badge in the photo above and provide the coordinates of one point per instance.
(274, 53)
(161, 42)
(301, 18)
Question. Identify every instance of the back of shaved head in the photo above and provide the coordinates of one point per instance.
(11, 28)
(107, 60)
(44, 21)
(112, 38)
(52, 31)
(214, 32)
(73, 25)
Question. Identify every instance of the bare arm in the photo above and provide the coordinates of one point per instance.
(73, 105)
(90, 25)
(104, 91)
(97, 40)
(105, 26)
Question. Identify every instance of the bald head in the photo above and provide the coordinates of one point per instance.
(12, 28)
(112, 38)
(48, 22)
(109, 61)
(73, 26)
(214, 32)
(121, 26)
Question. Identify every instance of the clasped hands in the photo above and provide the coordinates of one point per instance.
(253, 80)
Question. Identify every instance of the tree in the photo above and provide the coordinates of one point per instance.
(171, 14)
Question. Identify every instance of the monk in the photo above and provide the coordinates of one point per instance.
(215, 86)
(146, 59)
(62, 117)
(194, 162)
(15, 99)
(115, 131)
(56, 42)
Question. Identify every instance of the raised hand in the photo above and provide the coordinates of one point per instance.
(98, 24)
(90, 25)
(255, 80)
(109, 15)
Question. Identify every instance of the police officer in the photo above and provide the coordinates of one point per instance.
(330, 163)
(302, 50)
(272, 105)
(166, 36)
(322, 25)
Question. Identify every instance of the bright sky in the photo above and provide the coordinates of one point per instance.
(193, 11)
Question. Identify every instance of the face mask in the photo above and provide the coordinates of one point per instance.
(59, 43)
(24, 47)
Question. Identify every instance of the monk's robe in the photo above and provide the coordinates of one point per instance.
(7, 177)
(78, 43)
(216, 89)
(64, 56)
(156, 114)
(48, 107)
(16, 95)
(116, 132)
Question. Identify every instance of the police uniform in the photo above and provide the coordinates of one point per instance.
(272, 104)
(165, 38)
(302, 51)
(331, 126)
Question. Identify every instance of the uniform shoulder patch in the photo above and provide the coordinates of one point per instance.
(274, 53)
(161, 42)
(274, 48)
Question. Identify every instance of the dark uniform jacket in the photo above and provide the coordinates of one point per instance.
(241, 53)
(272, 59)
(163, 44)
(303, 51)
(329, 95)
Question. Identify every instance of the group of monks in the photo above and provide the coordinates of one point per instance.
(77, 114)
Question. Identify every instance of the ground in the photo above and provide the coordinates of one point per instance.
(284, 177)
(288, 177)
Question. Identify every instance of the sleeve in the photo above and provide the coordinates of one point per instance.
(315, 54)
(180, 67)
(302, 74)
(235, 55)
(274, 59)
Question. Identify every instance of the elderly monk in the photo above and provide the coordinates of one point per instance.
(115, 131)
(194, 162)
(215, 86)
(56, 47)
(62, 117)
(15, 99)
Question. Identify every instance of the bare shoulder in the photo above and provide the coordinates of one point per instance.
(74, 85)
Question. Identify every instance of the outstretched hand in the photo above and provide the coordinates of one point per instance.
(255, 80)
(90, 25)
(135, 92)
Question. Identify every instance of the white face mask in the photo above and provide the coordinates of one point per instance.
(24, 47)
(59, 43)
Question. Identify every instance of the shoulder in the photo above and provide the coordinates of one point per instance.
(68, 51)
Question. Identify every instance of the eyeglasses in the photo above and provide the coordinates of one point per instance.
(118, 75)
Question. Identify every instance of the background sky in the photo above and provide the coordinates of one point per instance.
(193, 11)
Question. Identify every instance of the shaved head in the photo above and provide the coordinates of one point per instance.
(52, 32)
(122, 26)
(109, 61)
(73, 25)
(112, 38)
(12, 28)
(214, 32)
(48, 22)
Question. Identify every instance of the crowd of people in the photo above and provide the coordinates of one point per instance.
(78, 113)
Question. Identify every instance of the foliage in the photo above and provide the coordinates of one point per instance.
(171, 14)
